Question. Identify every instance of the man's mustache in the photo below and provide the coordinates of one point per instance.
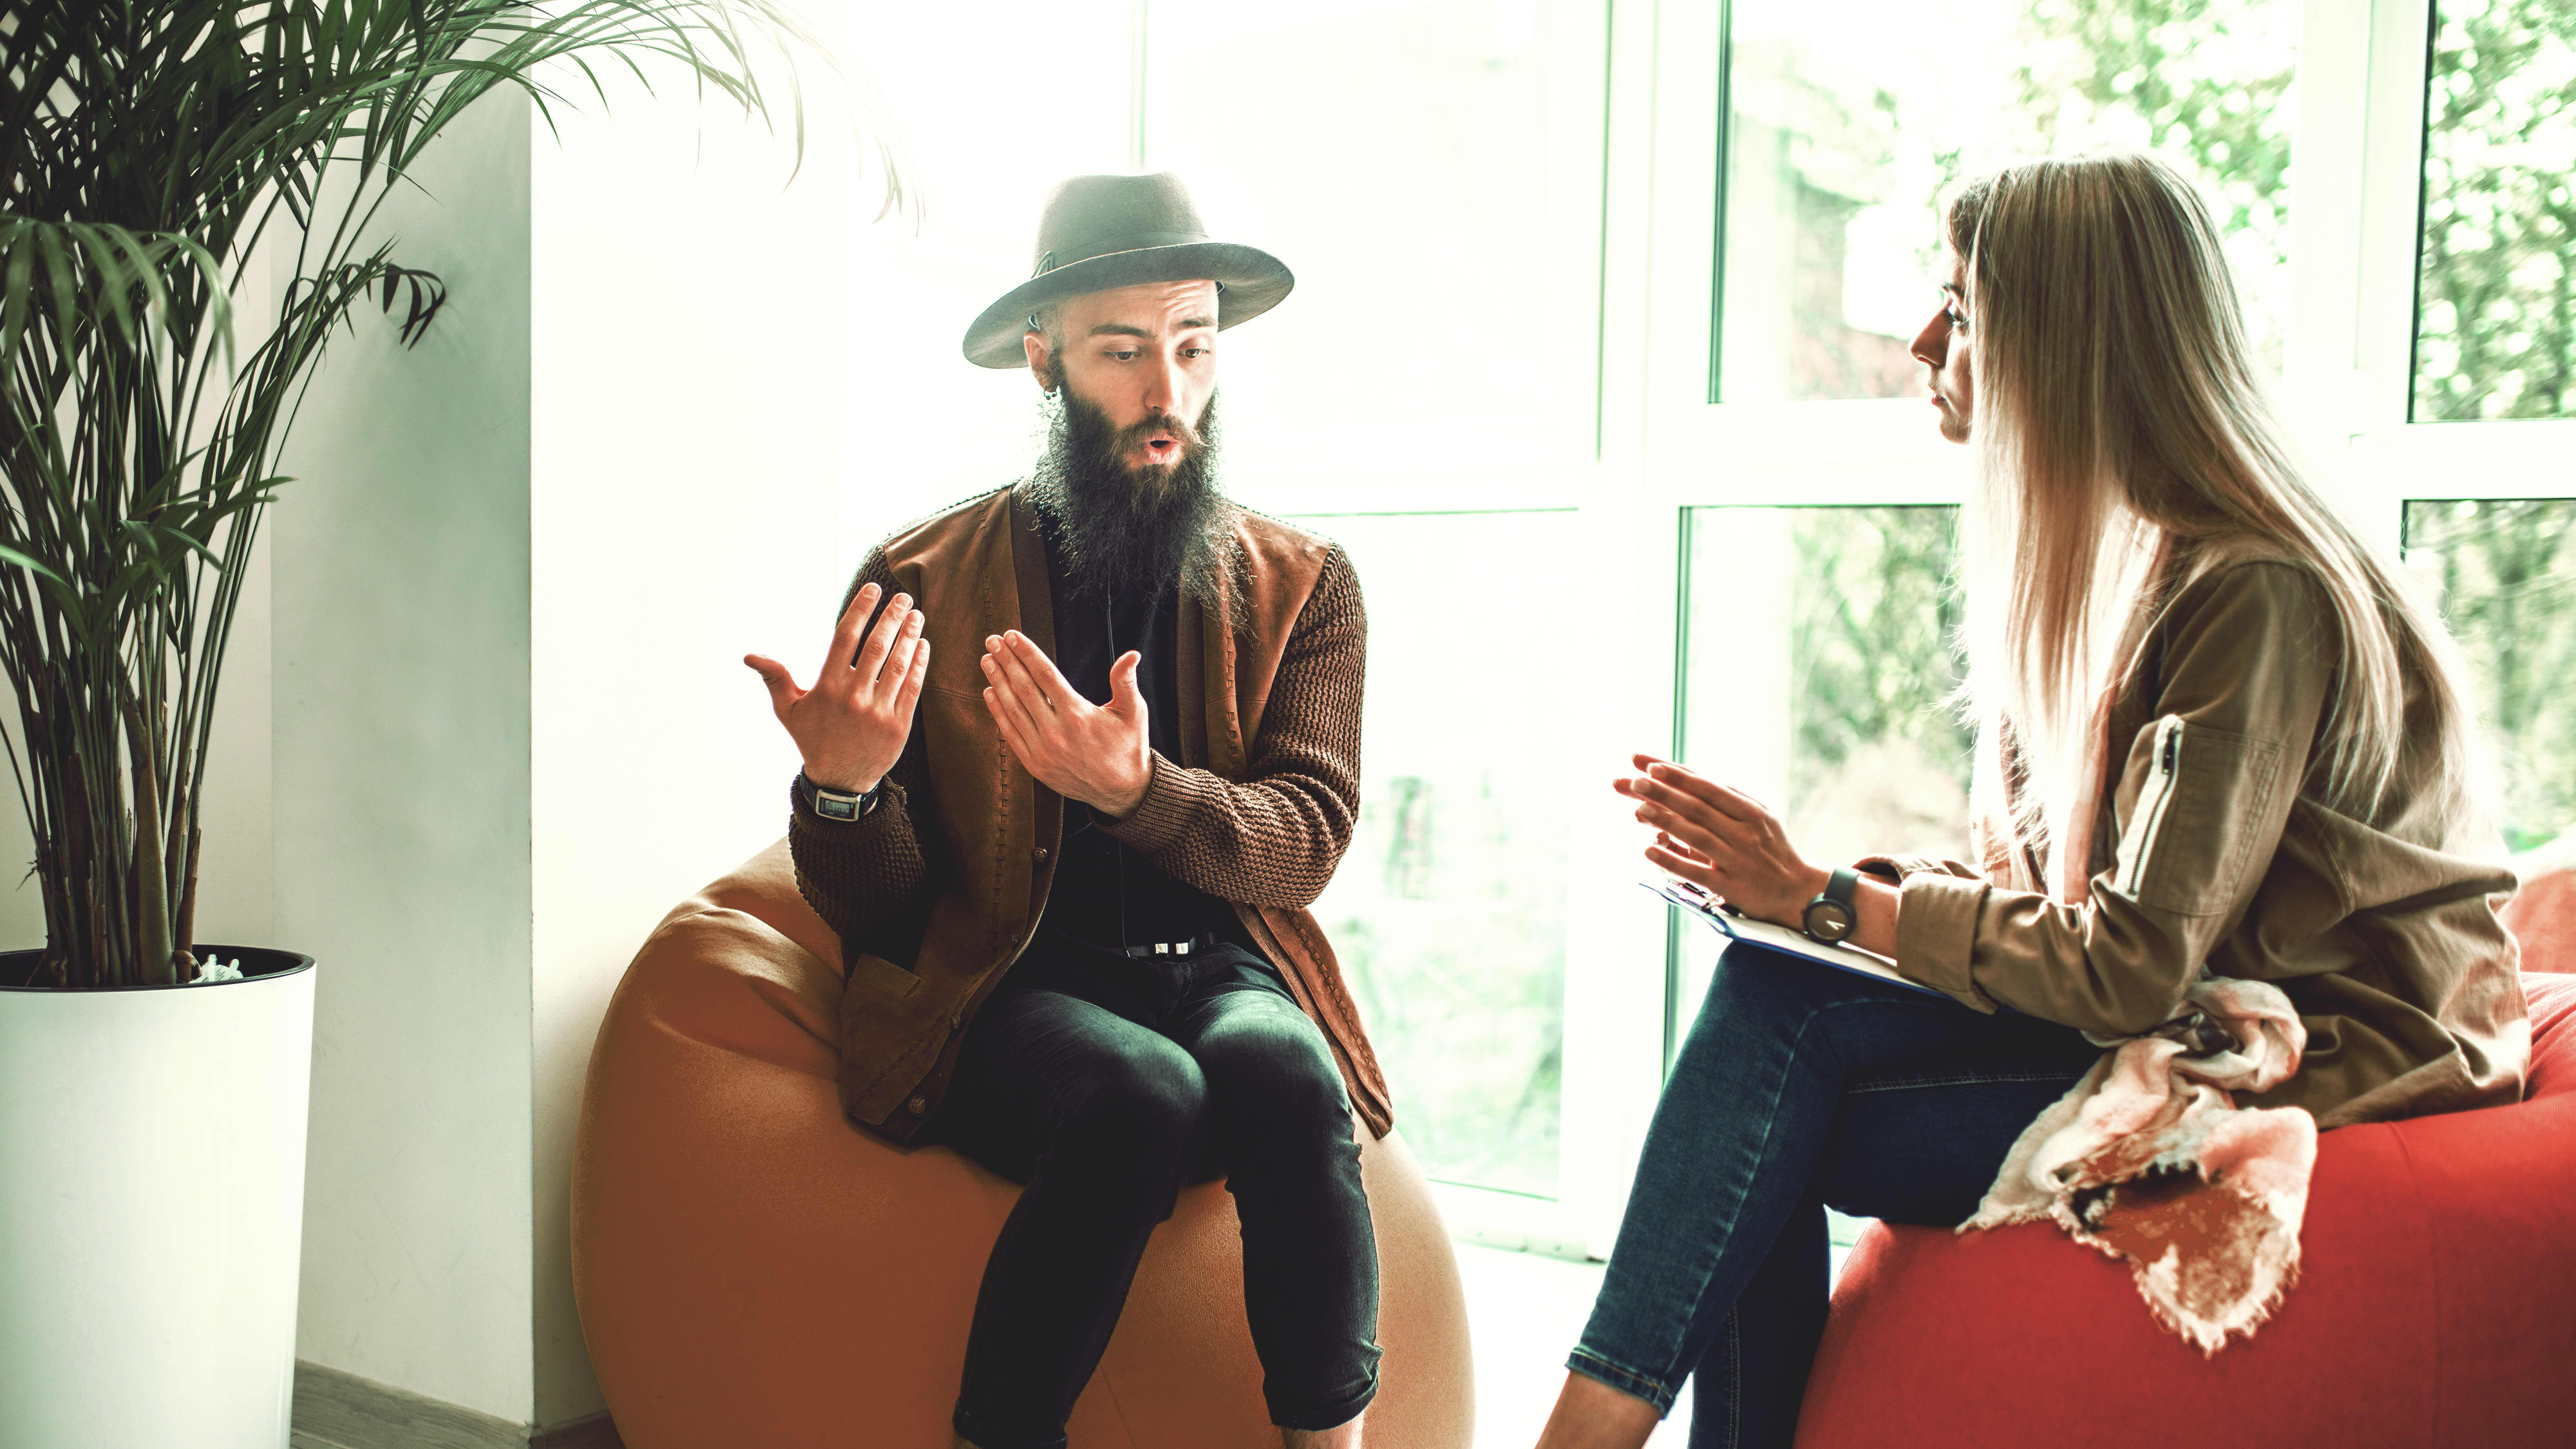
(1161, 425)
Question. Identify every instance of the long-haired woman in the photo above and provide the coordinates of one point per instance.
(2217, 733)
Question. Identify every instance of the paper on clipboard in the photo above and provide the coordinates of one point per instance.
(1780, 938)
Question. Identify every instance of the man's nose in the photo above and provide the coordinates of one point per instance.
(1163, 386)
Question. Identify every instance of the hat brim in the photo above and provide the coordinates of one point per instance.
(1253, 282)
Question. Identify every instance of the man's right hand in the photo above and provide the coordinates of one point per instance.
(851, 726)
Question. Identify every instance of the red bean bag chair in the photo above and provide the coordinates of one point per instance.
(2436, 1302)
(752, 1270)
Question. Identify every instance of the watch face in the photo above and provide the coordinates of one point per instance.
(1828, 920)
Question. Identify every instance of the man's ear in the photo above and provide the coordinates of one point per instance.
(1037, 353)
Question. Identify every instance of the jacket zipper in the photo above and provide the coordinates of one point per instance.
(2153, 806)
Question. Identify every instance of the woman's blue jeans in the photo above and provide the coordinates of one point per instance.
(1799, 1087)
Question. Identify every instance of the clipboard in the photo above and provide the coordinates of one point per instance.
(1724, 919)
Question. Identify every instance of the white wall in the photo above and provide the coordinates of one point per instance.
(686, 396)
(401, 768)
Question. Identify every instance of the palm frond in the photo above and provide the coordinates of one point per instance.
(146, 146)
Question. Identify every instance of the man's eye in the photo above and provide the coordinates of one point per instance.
(1127, 356)
(1195, 351)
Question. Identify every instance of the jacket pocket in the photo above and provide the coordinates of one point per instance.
(2204, 807)
(883, 976)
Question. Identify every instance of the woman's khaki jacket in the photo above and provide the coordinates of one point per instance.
(2215, 850)
(938, 889)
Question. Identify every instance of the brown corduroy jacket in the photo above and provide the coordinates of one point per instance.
(936, 891)
(2216, 848)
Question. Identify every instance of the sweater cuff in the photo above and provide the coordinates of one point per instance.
(1936, 933)
(1172, 796)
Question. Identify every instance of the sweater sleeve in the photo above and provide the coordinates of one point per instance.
(1274, 837)
(2204, 794)
(872, 880)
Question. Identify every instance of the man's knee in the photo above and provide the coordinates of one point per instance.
(1148, 1100)
(1277, 1067)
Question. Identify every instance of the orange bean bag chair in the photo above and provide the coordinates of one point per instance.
(751, 1269)
(2435, 1306)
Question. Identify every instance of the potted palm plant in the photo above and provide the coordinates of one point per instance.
(153, 1089)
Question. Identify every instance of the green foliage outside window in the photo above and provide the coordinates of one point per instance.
(2504, 573)
(2496, 331)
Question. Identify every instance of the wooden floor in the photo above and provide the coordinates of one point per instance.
(337, 1410)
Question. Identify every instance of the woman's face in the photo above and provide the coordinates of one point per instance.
(1942, 345)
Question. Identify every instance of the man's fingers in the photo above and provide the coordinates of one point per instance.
(782, 685)
(1008, 707)
(1013, 723)
(1021, 648)
(845, 635)
(909, 694)
(894, 622)
(1003, 666)
(898, 665)
(1124, 697)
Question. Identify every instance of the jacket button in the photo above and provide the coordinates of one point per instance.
(917, 1106)
(1039, 855)
(957, 1022)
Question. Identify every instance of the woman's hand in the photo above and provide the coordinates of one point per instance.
(1722, 840)
(851, 726)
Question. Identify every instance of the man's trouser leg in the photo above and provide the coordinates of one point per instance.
(1100, 1117)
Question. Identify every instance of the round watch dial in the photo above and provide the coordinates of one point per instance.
(1827, 920)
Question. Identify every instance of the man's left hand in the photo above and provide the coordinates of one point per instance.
(1721, 839)
(1096, 754)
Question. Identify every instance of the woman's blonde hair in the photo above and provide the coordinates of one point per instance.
(2124, 445)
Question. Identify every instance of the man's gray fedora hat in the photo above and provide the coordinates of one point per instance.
(1100, 232)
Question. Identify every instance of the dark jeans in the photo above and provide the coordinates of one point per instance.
(1799, 1086)
(1105, 1084)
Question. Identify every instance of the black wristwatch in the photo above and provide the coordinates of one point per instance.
(830, 804)
(1831, 915)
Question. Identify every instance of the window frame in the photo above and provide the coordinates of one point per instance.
(1661, 447)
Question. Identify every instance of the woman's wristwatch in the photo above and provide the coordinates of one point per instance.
(830, 804)
(1831, 915)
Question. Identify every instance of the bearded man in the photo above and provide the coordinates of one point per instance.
(1069, 849)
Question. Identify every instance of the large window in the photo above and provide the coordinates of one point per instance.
(2497, 329)
(2504, 574)
(1449, 909)
(1846, 123)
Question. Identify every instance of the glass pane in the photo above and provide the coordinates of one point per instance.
(2496, 326)
(1846, 122)
(1820, 662)
(924, 428)
(1430, 170)
(1448, 912)
(2504, 573)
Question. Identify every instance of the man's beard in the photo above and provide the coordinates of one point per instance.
(1115, 528)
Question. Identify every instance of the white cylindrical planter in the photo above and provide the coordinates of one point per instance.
(152, 1209)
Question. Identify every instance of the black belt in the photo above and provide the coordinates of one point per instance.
(1146, 951)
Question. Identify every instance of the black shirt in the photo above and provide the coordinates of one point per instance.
(1106, 894)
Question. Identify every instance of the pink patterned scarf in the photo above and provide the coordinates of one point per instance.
(2149, 1159)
